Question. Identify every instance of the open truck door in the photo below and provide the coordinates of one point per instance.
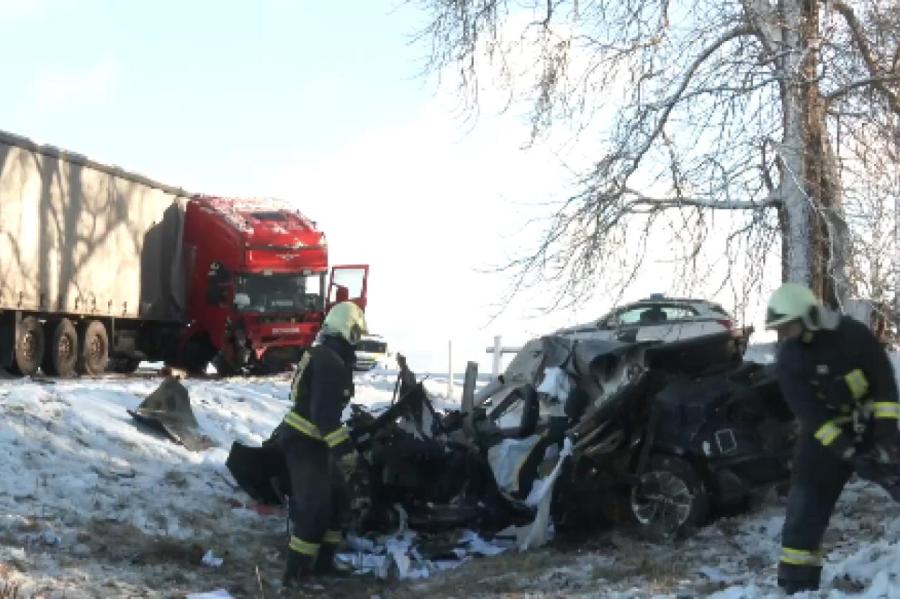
(348, 283)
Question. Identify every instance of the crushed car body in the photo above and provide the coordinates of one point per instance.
(577, 431)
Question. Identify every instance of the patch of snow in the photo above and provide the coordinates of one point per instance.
(209, 559)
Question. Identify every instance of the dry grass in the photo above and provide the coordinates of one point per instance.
(9, 590)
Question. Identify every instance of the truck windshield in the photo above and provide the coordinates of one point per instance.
(279, 292)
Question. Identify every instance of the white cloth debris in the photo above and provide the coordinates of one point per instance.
(217, 594)
(540, 531)
(555, 384)
(211, 560)
(506, 459)
(479, 546)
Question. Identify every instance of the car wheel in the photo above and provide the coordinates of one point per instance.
(669, 500)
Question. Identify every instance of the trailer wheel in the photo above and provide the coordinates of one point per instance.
(94, 349)
(29, 351)
(670, 500)
(123, 364)
(61, 350)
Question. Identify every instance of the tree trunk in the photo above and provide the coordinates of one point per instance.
(814, 236)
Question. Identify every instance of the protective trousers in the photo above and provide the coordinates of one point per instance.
(319, 502)
(818, 478)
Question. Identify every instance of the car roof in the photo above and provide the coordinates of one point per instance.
(657, 298)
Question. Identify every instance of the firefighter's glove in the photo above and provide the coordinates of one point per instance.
(347, 462)
(276, 436)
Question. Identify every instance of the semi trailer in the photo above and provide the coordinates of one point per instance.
(101, 268)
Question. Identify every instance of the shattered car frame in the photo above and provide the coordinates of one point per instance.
(660, 435)
(664, 434)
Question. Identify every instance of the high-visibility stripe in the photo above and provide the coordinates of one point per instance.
(827, 433)
(801, 557)
(332, 537)
(886, 409)
(298, 422)
(857, 383)
(298, 374)
(303, 547)
(337, 436)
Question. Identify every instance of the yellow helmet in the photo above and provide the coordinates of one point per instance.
(347, 320)
(790, 302)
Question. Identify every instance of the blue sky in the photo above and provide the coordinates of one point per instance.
(320, 103)
(120, 80)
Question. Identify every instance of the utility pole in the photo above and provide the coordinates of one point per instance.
(450, 369)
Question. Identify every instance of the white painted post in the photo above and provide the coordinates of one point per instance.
(498, 356)
(449, 369)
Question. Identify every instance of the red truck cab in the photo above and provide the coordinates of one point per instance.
(257, 294)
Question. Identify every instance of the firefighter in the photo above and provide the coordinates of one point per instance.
(312, 439)
(839, 383)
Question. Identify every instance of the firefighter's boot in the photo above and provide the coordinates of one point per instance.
(297, 572)
(328, 565)
(796, 579)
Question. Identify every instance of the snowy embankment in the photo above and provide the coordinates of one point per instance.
(91, 505)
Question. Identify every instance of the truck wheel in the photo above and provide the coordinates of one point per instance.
(94, 349)
(61, 350)
(123, 364)
(669, 500)
(29, 346)
(196, 354)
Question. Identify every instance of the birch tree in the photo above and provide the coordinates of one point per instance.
(717, 105)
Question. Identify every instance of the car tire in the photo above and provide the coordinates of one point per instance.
(670, 499)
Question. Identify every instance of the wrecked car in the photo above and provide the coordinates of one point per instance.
(580, 431)
(663, 434)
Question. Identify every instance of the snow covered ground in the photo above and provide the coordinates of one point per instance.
(91, 505)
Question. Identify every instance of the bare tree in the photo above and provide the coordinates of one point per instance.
(717, 105)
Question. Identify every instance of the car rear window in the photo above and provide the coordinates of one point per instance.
(646, 314)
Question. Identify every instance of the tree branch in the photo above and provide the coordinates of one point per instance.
(865, 50)
(685, 81)
(843, 91)
(663, 203)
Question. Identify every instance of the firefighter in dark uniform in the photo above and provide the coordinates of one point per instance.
(312, 438)
(840, 385)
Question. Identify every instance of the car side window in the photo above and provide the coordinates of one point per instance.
(678, 312)
(629, 317)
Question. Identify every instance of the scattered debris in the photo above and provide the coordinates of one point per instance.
(168, 410)
(217, 594)
(209, 559)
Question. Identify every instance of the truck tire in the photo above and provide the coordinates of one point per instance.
(670, 499)
(94, 349)
(61, 349)
(196, 354)
(29, 352)
(123, 364)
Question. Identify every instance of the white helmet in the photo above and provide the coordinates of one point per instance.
(793, 301)
(347, 320)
